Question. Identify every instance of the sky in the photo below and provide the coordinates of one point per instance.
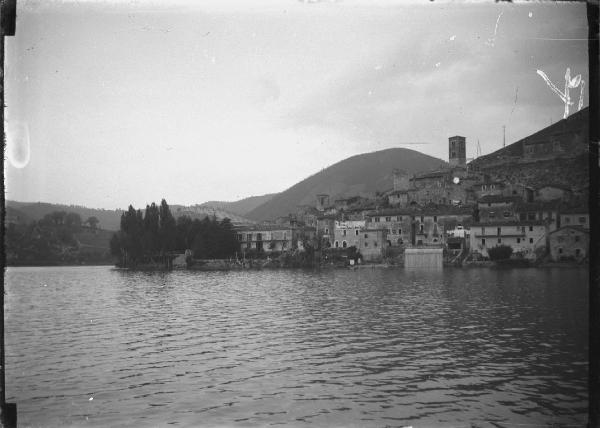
(113, 103)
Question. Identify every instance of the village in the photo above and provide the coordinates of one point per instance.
(460, 214)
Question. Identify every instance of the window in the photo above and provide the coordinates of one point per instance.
(421, 228)
(506, 214)
(483, 242)
(435, 219)
(499, 240)
(240, 237)
(366, 235)
(567, 220)
(531, 240)
(366, 244)
(376, 219)
(559, 250)
(375, 243)
(577, 238)
(399, 231)
(518, 240)
(326, 231)
(531, 228)
(422, 219)
(337, 244)
(249, 237)
(581, 219)
(356, 232)
(344, 232)
(344, 244)
(499, 231)
(399, 218)
(523, 229)
(388, 219)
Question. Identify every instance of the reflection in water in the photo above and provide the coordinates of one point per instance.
(362, 348)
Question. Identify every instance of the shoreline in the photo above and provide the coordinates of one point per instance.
(485, 264)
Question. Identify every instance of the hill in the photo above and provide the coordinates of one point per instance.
(562, 159)
(360, 175)
(25, 212)
(241, 207)
(108, 219)
(573, 129)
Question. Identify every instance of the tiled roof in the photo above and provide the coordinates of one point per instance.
(510, 223)
(498, 198)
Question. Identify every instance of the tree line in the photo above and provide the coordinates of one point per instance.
(49, 241)
(153, 235)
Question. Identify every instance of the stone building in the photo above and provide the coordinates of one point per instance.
(539, 211)
(268, 238)
(418, 226)
(497, 208)
(577, 216)
(523, 237)
(569, 242)
(457, 152)
(348, 233)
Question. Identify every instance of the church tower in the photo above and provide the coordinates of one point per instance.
(457, 151)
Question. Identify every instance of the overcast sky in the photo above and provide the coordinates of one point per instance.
(118, 103)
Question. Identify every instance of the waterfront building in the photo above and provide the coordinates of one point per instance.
(569, 243)
(526, 237)
(348, 233)
(274, 237)
(419, 226)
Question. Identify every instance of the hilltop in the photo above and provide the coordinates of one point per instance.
(561, 160)
(360, 175)
(241, 207)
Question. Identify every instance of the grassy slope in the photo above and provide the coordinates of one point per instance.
(358, 175)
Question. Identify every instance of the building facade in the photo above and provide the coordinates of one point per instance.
(523, 237)
(569, 243)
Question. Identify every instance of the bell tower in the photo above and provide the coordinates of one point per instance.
(457, 151)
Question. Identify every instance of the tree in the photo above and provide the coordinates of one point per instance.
(167, 227)
(500, 252)
(93, 222)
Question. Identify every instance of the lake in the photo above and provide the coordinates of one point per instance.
(479, 347)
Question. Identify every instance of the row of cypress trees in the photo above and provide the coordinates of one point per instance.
(148, 237)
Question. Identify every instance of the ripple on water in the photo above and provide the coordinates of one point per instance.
(351, 348)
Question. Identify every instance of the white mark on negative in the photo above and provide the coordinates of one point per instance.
(491, 41)
(573, 83)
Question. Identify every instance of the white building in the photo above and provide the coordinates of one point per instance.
(524, 237)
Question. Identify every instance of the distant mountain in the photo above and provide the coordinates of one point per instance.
(25, 212)
(360, 175)
(241, 207)
(28, 211)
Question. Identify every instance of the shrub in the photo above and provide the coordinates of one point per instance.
(500, 252)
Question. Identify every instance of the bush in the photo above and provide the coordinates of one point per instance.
(500, 252)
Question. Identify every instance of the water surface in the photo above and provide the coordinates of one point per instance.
(95, 346)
